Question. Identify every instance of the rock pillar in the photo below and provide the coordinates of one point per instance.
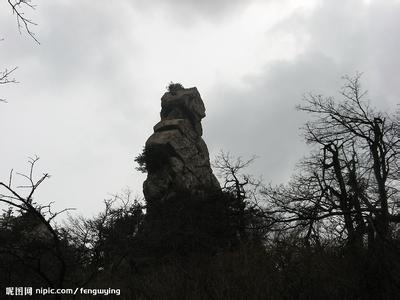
(176, 156)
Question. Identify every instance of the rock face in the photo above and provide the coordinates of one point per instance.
(177, 158)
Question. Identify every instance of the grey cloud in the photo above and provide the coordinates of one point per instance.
(343, 39)
(360, 37)
(262, 120)
(74, 106)
(79, 95)
(189, 11)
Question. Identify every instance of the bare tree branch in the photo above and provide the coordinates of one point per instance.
(23, 22)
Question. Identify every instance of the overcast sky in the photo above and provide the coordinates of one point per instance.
(89, 95)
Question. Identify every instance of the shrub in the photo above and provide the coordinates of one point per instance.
(174, 87)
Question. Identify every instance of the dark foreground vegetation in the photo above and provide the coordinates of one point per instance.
(332, 232)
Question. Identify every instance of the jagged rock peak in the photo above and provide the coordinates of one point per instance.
(188, 100)
(183, 104)
(177, 156)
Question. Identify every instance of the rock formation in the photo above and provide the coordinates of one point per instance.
(176, 157)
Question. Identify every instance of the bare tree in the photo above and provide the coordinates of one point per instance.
(350, 183)
(245, 189)
(35, 241)
(103, 243)
(230, 171)
(24, 23)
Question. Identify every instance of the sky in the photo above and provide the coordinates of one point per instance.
(89, 94)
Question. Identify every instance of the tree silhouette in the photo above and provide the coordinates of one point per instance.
(347, 189)
(31, 243)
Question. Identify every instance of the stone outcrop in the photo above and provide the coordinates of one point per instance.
(177, 158)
